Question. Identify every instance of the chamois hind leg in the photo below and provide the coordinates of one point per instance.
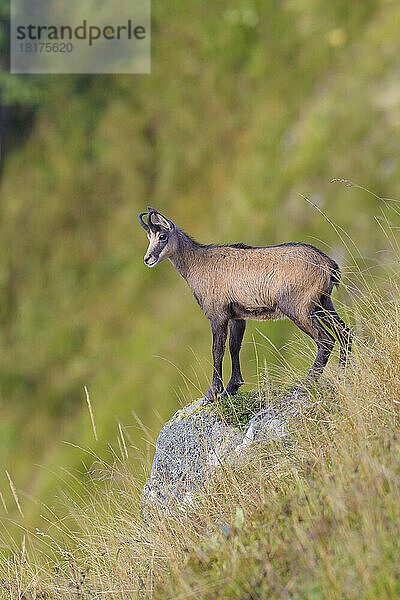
(237, 328)
(325, 341)
(343, 333)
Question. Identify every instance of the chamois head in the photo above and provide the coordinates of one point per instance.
(162, 236)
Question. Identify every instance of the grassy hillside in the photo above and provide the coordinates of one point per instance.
(248, 105)
(317, 518)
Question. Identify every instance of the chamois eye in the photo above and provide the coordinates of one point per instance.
(162, 237)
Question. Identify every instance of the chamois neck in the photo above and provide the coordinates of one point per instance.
(186, 252)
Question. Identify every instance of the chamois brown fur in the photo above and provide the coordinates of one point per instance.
(237, 282)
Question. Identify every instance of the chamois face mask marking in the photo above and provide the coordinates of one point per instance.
(156, 249)
(158, 229)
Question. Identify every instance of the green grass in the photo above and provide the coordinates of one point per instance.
(251, 109)
(318, 519)
(248, 106)
(237, 410)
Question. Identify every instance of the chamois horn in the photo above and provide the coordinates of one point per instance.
(161, 220)
(143, 224)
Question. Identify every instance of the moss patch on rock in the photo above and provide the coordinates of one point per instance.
(237, 410)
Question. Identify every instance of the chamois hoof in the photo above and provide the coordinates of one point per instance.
(232, 388)
(228, 393)
(212, 395)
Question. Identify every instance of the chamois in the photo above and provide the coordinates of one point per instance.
(236, 282)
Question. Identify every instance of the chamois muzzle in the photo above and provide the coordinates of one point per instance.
(151, 260)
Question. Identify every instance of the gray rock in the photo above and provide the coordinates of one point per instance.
(195, 442)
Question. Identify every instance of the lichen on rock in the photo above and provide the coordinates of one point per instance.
(196, 441)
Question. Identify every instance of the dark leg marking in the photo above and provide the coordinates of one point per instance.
(219, 330)
(329, 317)
(325, 342)
(323, 338)
(237, 328)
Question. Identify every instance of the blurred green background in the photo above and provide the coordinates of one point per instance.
(250, 104)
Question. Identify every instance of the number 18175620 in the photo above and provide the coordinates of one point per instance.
(38, 47)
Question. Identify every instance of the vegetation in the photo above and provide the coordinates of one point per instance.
(237, 410)
(247, 107)
(316, 519)
(252, 108)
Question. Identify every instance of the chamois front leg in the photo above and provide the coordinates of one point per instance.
(237, 327)
(219, 330)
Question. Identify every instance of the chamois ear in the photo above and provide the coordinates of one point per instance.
(159, 220)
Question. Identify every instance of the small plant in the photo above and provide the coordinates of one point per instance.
(237, 410)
